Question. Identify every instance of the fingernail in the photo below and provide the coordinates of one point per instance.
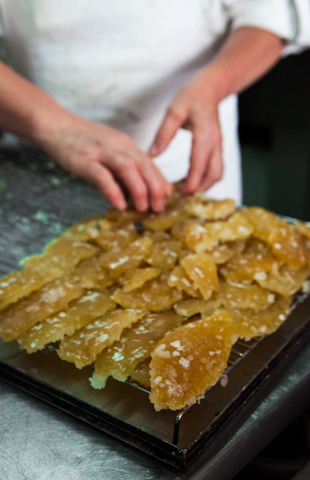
(155, 149)
(158, 206)
(141, 206)
(121, 204)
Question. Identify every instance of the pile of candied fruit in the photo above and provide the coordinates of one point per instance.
(159, 299)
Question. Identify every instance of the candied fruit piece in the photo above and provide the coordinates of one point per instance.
(263, 221)
(121, 218)
(134, 346)
(246, 268)
(287, 246)
(249, 323)
(286, 281)
(155, 295)
(303, 228)
(51, 298)
(165, 220)
(191, 306)
(282, 237)
(211, 209)
(164, 254)
(127, 259)
(178, 230)
(224, 252)
(245, 296)
(114, 238)
(84, 345)
(89, 306)
(157, 236)
(189, 360)
(65, 256)
(182, 282)
(141, 373)
(237, 227)
(137, 278)
(79, 232)
(90, 274)
(202, 271)
(198, 238)
(23, 282)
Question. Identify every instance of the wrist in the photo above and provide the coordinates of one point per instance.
(46, 120)
(213, 84)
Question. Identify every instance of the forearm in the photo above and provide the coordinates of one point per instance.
(247, 55)
(25, 110)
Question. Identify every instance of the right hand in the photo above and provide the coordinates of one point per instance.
(109, 159)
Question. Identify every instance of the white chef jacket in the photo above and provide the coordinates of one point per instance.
(120, 62)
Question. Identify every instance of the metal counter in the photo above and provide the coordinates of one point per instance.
(39, 442)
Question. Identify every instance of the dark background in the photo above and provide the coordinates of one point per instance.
(275, 144)
(275, 138)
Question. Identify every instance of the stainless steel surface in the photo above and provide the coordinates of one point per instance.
(39, 442)
(44, 443)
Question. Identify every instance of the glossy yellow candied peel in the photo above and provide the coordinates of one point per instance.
(51, 298)
(167, 219)
(225, 251)
(245, 296)
(287, 245)
(90, 274)
(89, 306)
(202, 271)
(84, 345)
(255, 323)
(23, 282)
(155, 295)
(286, 281)
(237, 227)
(64, 255)
(192, 306)
(128, 258)
(180, 280)
(248, 267)
(164, 254)
(141, 373)
(137, 278)
(210, 209)
(189, 360)
(198, 238)
(134, 346)
(263, 221)
(303, 228)
(114, 238)
(122, 218)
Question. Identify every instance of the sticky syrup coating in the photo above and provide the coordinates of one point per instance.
(82, 311)
(187, 361)
(197, 256)
(83, 347)
(28, 311)
(134, 346)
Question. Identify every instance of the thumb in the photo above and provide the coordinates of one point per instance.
(167, 130)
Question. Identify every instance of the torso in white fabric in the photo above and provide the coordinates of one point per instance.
(120, 62)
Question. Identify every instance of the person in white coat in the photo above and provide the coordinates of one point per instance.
(132, 95)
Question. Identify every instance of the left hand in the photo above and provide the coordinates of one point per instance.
(194, 108)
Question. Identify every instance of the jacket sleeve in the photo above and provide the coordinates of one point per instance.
(289, 19)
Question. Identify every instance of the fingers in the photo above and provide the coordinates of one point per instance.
(158, 186)
(215, 170)
(198, 162)
(206, 165)
(100, 176)
(170, 125)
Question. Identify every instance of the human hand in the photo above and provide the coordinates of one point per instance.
(108, 159)
(195, 108)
